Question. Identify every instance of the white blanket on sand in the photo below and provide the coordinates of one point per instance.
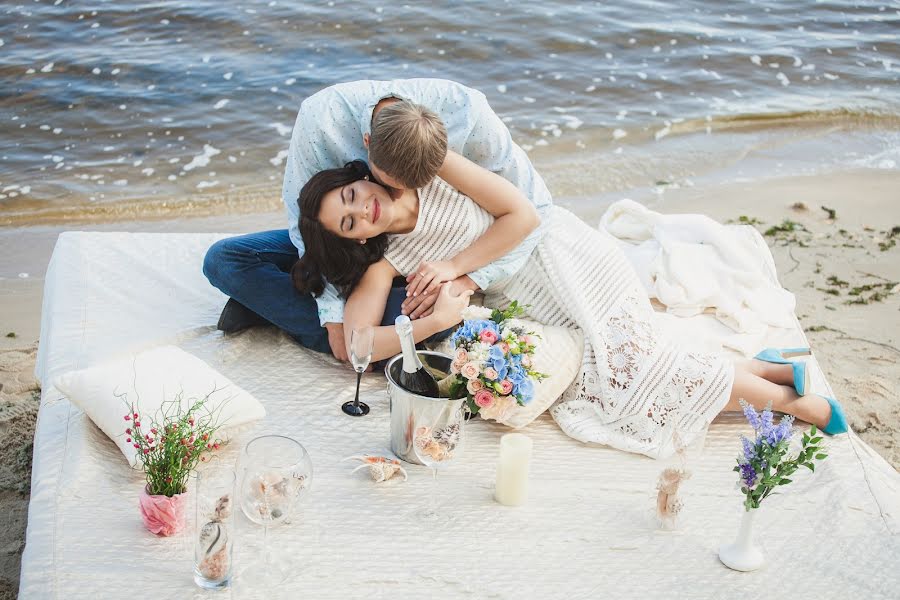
(588, 530)
(692, 263)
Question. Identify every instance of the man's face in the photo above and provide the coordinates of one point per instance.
(395, 186)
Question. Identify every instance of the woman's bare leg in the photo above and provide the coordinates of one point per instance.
(780, 374)
(759, 392)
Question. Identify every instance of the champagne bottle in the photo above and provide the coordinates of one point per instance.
(414, 377)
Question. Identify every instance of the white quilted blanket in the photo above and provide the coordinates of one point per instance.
(587, 532)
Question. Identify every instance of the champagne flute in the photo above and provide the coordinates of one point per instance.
(362, 340)
(437, 441)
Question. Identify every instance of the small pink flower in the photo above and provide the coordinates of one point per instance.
(137, 423)
(456, 366)
(137, 446)
(153, 431)
(469, 370)
(461, 355)
(146, 450)
(506, 387)
(128, 431)
(484, 398)
(135, 415)
(128, 440)
(491, 373)
(474, 386)
(526, 360)
(205, 436)
(528, 339)
(191, 421)
(127, 417)
(216, 445)
(504, 347)
(488, 336)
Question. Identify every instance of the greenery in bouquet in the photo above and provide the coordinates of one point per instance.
(170, 443)
(493, 360)
(765, 463)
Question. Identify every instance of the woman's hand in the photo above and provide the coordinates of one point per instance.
(448, 308)
(429, 275)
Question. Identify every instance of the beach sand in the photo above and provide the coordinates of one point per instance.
(847, 290)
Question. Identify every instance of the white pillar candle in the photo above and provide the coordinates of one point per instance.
(512, 470)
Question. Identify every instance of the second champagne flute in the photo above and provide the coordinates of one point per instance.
(362, 340)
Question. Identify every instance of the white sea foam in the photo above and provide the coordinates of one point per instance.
(47, 68)
(201, 160)
(280, 128)
(279, 158)
(206, 184)
(221, 104)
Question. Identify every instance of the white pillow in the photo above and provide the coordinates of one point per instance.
(148, 379)
(557, 354)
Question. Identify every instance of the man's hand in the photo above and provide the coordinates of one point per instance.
(422, 305)
(336, 341)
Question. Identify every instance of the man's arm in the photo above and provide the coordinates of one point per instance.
(302, 164)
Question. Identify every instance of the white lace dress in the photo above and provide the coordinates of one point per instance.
(635, 388)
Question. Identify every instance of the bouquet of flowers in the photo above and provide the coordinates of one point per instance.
(764, 463)
(171, 443)
(492, 361)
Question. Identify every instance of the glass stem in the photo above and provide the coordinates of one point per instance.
(358, 378)
(267, 555)
(432, 505)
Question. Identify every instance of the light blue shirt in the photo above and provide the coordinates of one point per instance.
(329, 133)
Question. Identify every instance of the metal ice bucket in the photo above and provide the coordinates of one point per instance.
(408, 409)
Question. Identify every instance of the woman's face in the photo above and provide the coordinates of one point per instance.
(360, 210)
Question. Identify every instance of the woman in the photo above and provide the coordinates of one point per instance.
(633, 382)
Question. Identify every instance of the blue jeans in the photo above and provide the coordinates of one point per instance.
(255, 270)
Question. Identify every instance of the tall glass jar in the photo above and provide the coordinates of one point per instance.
(213, 545)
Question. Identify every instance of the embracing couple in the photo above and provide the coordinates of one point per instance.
(408, 196)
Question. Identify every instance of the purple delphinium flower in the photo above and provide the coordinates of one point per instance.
(748, 475)
(749, 449)
(766, 422)
(751, 415)
(782, 431)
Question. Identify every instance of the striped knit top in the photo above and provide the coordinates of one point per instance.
(449, 222)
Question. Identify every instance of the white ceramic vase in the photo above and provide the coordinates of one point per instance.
(743, 554)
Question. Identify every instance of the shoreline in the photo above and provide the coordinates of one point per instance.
(835, 238)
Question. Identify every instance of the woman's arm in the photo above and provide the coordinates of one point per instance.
(514, 218)
(365, 307)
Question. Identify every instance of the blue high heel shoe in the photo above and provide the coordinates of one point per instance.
(781, 356)
(838, 421)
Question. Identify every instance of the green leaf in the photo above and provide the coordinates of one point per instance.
(821, 456)
(816, 440)
(813, 430)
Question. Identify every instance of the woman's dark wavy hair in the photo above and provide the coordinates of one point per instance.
(329, 257)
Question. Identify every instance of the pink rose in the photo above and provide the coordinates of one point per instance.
(461, 355)
(528, 339)
(484, 398)
(504, 346)
(470, 370)
(474, 386)
(488, 336)
(506, 387)
(491, 373)
(456, 366)
(526, 360)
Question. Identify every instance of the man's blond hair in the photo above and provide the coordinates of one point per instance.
(408, 142)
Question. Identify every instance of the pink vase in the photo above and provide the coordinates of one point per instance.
(163, 515)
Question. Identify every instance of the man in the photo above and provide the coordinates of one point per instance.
(340, 124)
